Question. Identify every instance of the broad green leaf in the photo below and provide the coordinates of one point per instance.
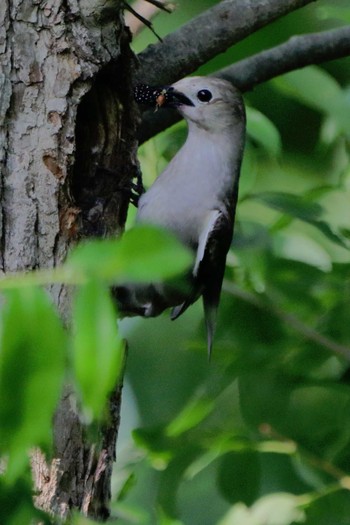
(264, 395)
(323, 412)
(16, 503)
(163, 519)
(278, 509)
(149, 253)
(32, 352)
(129, 514)
(263, 131)
(239, 476)
(191, 415)
(273, 509)
(239, 514)
(300, 208)
(156, 444)
(144, 253)
(97, 349)
(319, 90)
(294, 205)
(98, 259)
(300, 247)
(172, 476)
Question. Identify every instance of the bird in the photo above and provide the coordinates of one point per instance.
(195, 197)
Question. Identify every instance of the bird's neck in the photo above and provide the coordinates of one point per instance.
(215, 155)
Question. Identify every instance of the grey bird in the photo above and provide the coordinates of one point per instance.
(195, 197)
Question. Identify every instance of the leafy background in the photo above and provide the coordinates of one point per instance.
(261, 434)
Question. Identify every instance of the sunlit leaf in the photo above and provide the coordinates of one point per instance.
(300, 247)
(239, 514)
(144, 253)
(32, 351)
(97, 348)
(294, 205)
(319, 90)
(192, 414)
(278, 509)
(300, 208)
(273, 509)
(163, 519)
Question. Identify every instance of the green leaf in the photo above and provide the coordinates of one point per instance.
(149, 253)
(264, 395)
(32, 351)
(191, 415)
(163, 519)
(16, 503)
(318, 90)
(300, 208)
(317, 416)
(291, 204)
(97, 348)
(239, 476)
(278, 509)
(300, 247)
(263, 131)
(144, 253)
(274, 509)
(239, 514)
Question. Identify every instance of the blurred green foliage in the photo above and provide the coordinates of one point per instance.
(37, 353)
(261, 435)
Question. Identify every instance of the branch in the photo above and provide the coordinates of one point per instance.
(297, 52)
(291, 320)
(207, 35)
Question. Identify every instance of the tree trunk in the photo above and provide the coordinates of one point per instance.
(65, 112)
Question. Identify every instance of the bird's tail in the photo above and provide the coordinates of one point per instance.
(210, 314)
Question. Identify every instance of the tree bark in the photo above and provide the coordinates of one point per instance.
(65, 111)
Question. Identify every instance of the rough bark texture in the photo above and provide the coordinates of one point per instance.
(65, 111)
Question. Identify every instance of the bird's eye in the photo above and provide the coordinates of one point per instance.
(204, 95)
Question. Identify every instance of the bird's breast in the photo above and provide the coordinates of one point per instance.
(194, 183)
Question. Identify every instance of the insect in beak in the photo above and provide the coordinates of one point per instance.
(161, 98)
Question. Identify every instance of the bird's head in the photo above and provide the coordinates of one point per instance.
(211, 104)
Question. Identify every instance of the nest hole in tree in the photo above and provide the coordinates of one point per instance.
(104, 164)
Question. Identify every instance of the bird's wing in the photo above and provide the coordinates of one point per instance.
(209, 268)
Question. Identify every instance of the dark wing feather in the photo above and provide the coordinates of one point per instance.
(209, 269)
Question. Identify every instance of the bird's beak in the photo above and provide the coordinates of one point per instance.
(174, 98)
(160, 96)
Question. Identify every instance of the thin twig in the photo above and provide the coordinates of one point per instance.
(291, 320)
(164, 6)
(145, 20)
